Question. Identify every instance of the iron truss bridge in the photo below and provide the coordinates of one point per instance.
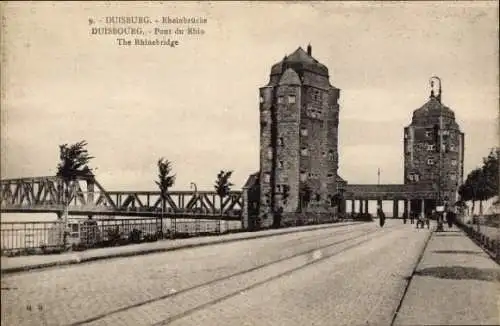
(87, 197)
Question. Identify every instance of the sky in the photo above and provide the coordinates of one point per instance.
(197, 104)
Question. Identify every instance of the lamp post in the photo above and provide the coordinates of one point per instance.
(193, 185)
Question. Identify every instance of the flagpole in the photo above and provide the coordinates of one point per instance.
(378, 176)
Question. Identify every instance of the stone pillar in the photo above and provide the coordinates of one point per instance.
(366, 206)
(361, 206)
(353, 208)
(422, 206)
(395, 208)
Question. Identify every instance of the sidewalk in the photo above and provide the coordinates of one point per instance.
(455, 283)
(25, 263)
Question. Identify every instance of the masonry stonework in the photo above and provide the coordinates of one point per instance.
(433, 148)
(299, 116)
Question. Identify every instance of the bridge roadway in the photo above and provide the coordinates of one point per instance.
(334, 276)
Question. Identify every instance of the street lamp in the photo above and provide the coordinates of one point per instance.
(195, 196)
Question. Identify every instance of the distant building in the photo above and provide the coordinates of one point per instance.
(434, 148)
(299, 117)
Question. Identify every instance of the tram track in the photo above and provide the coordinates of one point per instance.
(276, 268)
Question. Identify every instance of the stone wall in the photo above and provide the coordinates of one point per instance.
(421, 154)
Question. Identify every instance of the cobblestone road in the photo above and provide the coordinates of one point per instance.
(348, 275)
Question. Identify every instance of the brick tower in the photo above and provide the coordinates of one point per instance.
(434, 149)
(299, 117)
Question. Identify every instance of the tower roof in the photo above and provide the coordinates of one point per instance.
(433, 108)
(300, 60)
(290, 77)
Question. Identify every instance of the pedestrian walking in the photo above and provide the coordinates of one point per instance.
(439, 219)
(450, 218)
(405, 216)
(381, 216)
(421, 220)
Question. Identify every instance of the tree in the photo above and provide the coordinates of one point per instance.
(491, 174)
(74, 160)
(165, 181)
(481, 184)
(474, 188)
(222, 187)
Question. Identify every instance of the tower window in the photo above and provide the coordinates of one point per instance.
(280, 100)
(303, 131)
(330, 155)
(430, 161)
(330, 175)
(267, 177)
(261, 99)
(318, 197)
(269, 153)
(452, 148)
(303, 176)
(413, 177)
(428, 134)
(453, 176)
(304, 151)
(280, 141)
(291, 99)
(453, 162)
(431, 147)
(281, 164)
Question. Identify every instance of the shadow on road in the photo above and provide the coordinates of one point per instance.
(461, 273)
(467, 252)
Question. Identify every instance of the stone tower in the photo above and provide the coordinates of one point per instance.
(434, 148)
(299, 117)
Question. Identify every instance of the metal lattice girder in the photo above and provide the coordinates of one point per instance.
(85, 196)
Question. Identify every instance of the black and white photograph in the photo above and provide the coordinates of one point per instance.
(253, 163)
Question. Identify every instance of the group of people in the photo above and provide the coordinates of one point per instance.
(424, 220)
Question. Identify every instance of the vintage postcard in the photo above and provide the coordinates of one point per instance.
(249, 163)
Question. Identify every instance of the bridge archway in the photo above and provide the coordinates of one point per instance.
(403, 198)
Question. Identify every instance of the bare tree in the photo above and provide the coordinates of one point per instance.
(165, 181)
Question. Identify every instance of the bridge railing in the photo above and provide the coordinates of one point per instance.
(20, 238)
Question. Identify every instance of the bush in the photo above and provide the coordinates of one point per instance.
(150, 237)
(114, 236)
(135, 236)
